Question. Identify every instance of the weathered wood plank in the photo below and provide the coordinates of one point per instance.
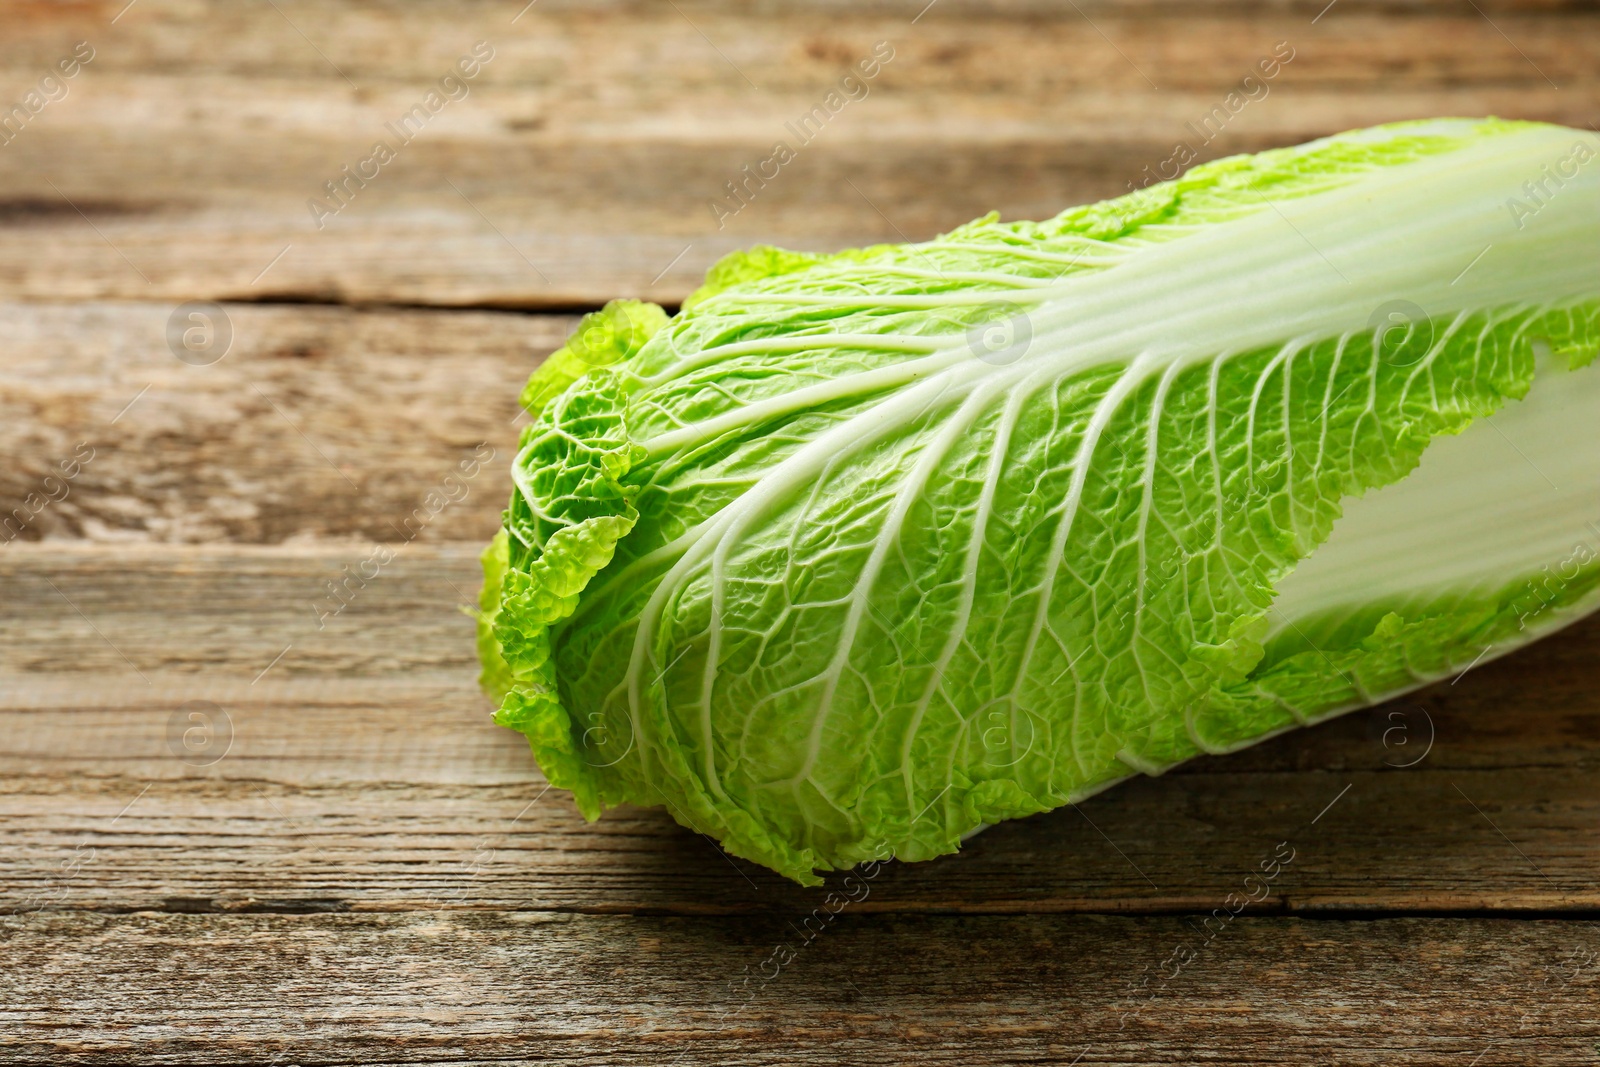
(455, 987)
(583, 162)
(358, 770)
(1392, 844)
(316, 422)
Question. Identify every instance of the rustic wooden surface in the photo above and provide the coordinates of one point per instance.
(353, 865)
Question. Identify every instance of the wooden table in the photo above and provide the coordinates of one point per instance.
(233, 831)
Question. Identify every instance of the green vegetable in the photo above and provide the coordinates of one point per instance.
(862, 552)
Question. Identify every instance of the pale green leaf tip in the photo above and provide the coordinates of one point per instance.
(611, 335)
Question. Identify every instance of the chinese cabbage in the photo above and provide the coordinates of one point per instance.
(860, 552)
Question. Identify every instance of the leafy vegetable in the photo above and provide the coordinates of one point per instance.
(861, 552)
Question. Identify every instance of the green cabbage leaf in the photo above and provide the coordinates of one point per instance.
(859, 553)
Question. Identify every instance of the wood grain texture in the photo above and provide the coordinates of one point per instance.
(352, 767)
(463, 987)
(582, 164)
(317, 422)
